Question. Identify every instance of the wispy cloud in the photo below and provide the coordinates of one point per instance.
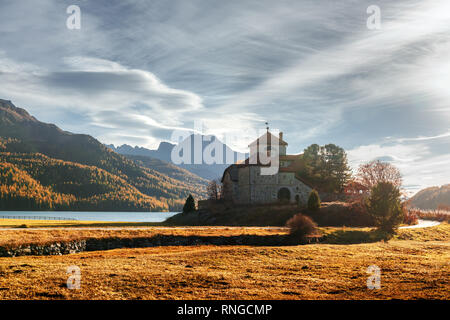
(112, 96)
(439, 136)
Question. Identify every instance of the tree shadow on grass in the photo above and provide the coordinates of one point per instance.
(161, 240)
(356, 236)
(337, 237)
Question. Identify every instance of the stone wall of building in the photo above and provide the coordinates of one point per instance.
(252, 187)
(301, 190)
(243, 185)
(234, 186)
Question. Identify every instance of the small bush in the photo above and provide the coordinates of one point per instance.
(301, 226)
(23, 226)
(410, 217)
(314, 201)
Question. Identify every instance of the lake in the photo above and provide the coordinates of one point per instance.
(93, 216)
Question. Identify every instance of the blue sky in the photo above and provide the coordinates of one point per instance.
(138, 70)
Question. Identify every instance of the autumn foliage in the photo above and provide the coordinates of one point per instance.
(34, 181)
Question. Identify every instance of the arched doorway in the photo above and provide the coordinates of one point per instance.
(284, 194)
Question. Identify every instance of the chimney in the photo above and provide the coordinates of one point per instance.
(281, 135)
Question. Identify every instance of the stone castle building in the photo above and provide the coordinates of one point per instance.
(245, 184)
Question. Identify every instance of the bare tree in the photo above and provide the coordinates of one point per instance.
(374, 172)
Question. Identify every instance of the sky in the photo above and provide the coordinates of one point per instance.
(136, 71)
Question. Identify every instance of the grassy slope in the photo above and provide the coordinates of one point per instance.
(230, 215)
(276, 214)
(410, 269)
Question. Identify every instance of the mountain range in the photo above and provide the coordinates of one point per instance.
(202, 169)
(44, 167)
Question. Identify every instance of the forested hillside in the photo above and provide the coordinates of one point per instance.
(78, 166)
(18, 191)
(168, 169)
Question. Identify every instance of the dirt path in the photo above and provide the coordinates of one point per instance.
(423, 224)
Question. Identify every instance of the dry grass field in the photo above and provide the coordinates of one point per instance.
(49, 235)
(414, 265)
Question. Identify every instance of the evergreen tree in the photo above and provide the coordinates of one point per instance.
(314, 201)
(384, 205)
(326, 167)
(189, 205)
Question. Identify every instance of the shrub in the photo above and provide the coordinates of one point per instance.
(301, 226)
(410, 217)
(338, 214)
(189, 205)
(385, 207)
(314, 201)
(435, 215)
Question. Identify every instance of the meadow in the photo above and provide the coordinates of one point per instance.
(414, 265)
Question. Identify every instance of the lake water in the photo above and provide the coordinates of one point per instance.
(93, 216)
